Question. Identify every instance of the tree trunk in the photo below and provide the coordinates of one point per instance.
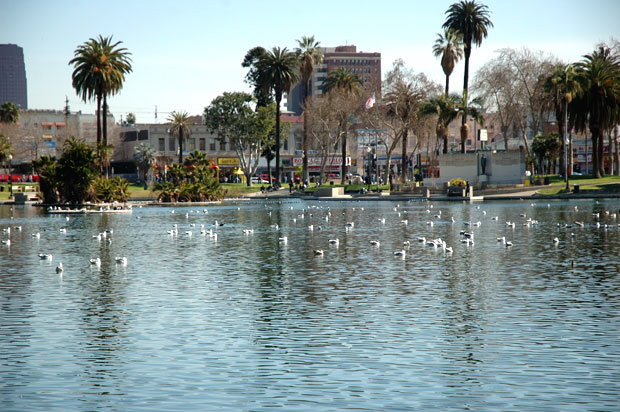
(306, 143)
(180, 145)
(343, 171)
(98, 119)
(403, 158)
(447, 84)
(278, 100)
(104, 123)
(616, 151)
(467, 50)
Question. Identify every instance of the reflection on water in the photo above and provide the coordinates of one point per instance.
(250, 322)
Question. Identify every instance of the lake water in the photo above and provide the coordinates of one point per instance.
(250, 322)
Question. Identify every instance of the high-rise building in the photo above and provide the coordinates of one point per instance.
(13, 87)
(366, 65)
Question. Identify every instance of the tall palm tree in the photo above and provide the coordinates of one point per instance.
(444, 107)
(597, 107)
(471, 21)
(308, 54)
(343, 81)
(180, 128)
(562, 86)
(278, 69)
(449, 46)
(9, 113)
(99, 68)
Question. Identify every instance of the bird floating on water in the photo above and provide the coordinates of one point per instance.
(95, 261)
(59, 268)
(45, 256)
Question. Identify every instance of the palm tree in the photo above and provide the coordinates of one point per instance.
(308, 54)
(99, 68)
(562, 86)
(278, 69)
(9, 113)
(450, 47)
(343, 81)
(444, 107)
(597, 107)
(144, 155)
(473, 109)
(180, 129)
(471, 21)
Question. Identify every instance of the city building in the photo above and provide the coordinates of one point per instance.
(13, 86)
(366, 65)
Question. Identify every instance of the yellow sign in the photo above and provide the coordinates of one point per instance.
(228, 161)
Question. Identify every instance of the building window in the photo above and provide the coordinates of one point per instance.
(203, 144)
(162, 144)
(171, 145)
(212, 146)
(222, 145)
(192, 145)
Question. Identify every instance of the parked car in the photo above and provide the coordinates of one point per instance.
(258, 181)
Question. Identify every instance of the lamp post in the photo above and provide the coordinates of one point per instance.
(564, 141)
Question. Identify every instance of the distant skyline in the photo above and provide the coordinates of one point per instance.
(187, 53)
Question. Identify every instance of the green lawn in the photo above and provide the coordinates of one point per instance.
(608, 184)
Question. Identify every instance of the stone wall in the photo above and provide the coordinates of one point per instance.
(481, 169)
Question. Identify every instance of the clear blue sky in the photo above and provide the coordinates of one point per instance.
(186, 53)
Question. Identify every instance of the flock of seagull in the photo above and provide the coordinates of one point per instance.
(102, 236)
(467, 234)
(211, 231)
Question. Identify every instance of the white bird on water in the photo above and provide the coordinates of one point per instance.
(95, 261)
(45, 256)
(318, 252)
(375, 243)
(121, 260)
(401, 253)
(334, 241)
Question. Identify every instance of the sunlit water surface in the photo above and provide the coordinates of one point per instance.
(251, 322)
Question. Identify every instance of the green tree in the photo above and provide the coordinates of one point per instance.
(562, 86)
(546, 148)
(471, 21)
(104, 158)
(231, 117)
(308, 54)
(76, 172)
(444, 107)
(131, 119)
(278, 69)
(9, 113)
(45, 167)
(597, 107)
(6, 149)
(257, 78)
(196, 158)
(472, 109)
(99, 69)
(449, 46)
(342, 81)
(144, 155)
(180, 128)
